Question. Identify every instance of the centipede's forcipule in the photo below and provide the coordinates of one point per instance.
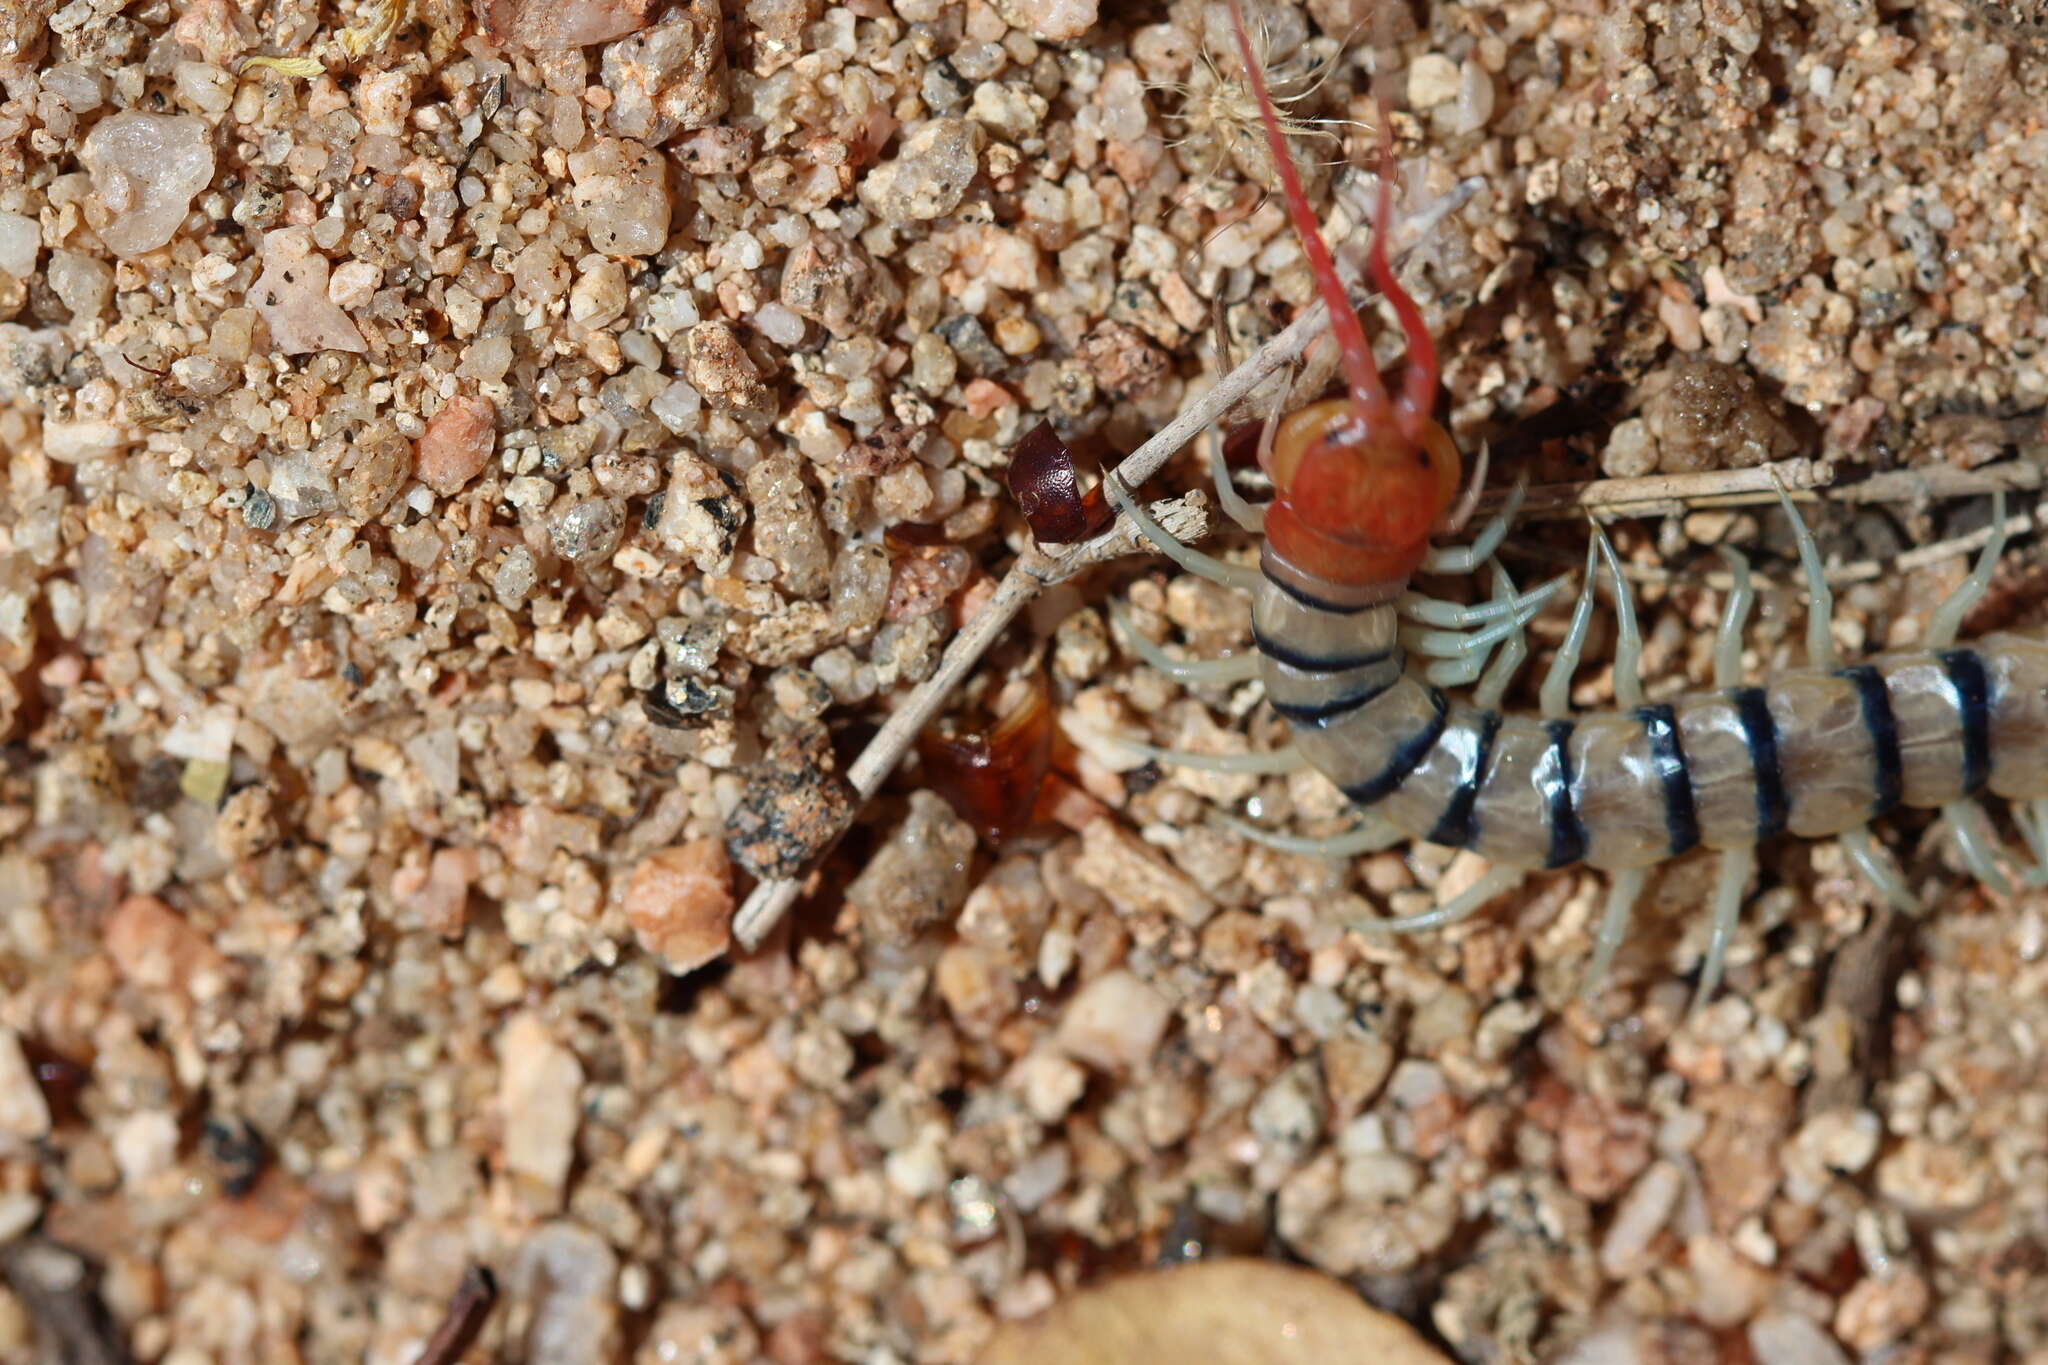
(1357, 664)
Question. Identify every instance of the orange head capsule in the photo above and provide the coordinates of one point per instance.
(1355, 500)
(1359, 481)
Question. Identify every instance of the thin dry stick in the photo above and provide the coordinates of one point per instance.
(1035, 570)
(474, 1298)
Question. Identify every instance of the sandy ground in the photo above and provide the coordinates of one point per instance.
(450, 468)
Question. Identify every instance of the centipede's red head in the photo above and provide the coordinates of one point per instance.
(1359, 481)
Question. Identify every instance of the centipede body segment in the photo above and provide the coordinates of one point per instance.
(1357, 664)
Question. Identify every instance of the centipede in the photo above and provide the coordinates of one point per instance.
(1368, 491)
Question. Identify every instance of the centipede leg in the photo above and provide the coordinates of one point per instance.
(1876, 868)
(1245, 514)
(1193, 560)
(1735, 617)
(1621, 903)
(1373, 833)
(1976, 842)
(1557, 683)
(1820, 599)
(1456, 559)
(2032, 818)
(1434, 611)
(1238, 668)
(1947, 621)
(1263, 763)
(1732, 879)
(1467, 652)
(1497, 881)
(1628, 637)
(1513, 651)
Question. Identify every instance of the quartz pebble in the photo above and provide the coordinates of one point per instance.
(621, 196)
(291, 295)
(1055, 21)
(1114, 1022)
(564, 1283)
(539, 1098)
(929, 174)
(21, 239)
(680, 901)
(457, 444)
(919, 877)
(669, 78)
(24, 1114)
(146, 170)
(544, 26)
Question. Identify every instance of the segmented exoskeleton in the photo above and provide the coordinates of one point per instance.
(1362, 482)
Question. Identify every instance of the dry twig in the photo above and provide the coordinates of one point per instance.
(474, 1298)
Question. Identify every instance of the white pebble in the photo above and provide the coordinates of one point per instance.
(23, 1112)
(145, 1144)
(1432, 80)
(539, 1094)
(146, 169)
(1114, 1021)
(21, 239)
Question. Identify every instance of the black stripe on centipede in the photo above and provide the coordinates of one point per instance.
(1973, 707)
(1405, 757)
(1667, 758)
(1322, 713)
(1554, 779)
(1310, 600)
(1458, 826)
(1876, 701)
(1760, 733)
(1309, 663)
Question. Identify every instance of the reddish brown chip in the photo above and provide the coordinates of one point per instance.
(1048, 491)
(993, 779)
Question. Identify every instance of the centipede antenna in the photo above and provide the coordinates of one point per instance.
(1556, 696)
(1947, 622)
(1193, 560)
(1419, 379)
(1264, 764)
(1976, 842)
(1735, 616)
(1732, 878)
(1497, 881)
(1458, 559)
(1248, 517)
(1621, 903)
(1235, 669)
(1820, 599)
(1359, 368)
(1876, 868)
(1373, 833)
(1628, 637)
(1494, 685)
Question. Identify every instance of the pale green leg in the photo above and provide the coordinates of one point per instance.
(1188, 672)
(1262, 763)
(1820, 599)
(1496, 882)
(1622, 895)
(1731, 880)
(1502, 670)
(1628, 637)
(1728, 644)
(1947, 622)
(1557, 683)
(1373, 833)
(1193, 560)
